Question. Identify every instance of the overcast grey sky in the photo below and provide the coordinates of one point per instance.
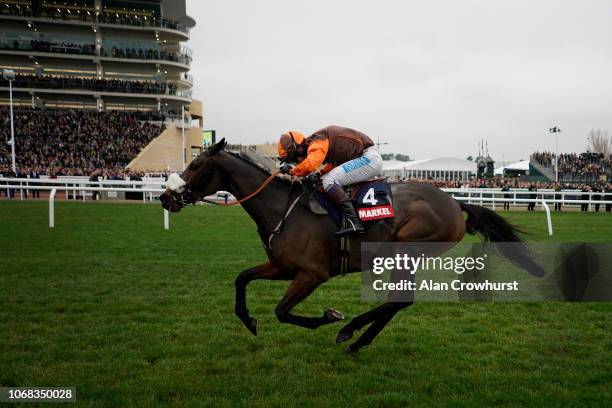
(431, 78)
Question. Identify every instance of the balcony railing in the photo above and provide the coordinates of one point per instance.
(94, 84)
(147, 54)
(87, 14)
(16, 44)
(186, 77)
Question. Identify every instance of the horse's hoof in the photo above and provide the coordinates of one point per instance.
(252, 326)
(334, 315)
(343, 336)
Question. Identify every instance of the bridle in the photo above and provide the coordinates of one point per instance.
(184, 198)
(183, 192)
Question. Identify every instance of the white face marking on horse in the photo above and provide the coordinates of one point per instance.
(176, 183)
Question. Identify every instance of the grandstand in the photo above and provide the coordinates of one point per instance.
(587, 167)
(104, 56)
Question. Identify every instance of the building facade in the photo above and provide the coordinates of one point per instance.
(100, 54)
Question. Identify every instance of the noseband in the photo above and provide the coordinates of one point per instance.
(184, 198)
(181, 191)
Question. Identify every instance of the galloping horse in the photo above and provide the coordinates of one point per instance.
(300, 244)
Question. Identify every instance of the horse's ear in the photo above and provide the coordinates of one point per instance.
(217, 147)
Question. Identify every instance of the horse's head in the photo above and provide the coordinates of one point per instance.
(201, 178)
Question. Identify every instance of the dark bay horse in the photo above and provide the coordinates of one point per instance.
(305, 252)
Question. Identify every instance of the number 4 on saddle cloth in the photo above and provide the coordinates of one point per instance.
(372, 200)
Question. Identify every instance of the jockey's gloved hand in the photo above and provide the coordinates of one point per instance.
(313, 178)
(285, 168)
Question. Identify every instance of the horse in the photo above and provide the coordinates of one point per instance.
(300, 245)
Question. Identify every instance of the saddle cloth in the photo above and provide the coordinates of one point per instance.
(372, 200)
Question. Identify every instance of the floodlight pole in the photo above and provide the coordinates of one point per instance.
(556, 157)
(556, 131)
(12, 127)
(379, 143)
(183, 135)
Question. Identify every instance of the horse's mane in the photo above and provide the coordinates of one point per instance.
(247, 160)
(284, 179)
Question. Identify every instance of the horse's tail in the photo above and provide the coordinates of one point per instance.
(494, 228)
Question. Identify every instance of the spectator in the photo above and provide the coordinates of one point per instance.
(597, 197)
(558, 197)
(95, 178)
(34, 174)
(532, 196)
(507, 196)
(585, 197)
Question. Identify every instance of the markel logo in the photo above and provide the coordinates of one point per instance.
(376, 213)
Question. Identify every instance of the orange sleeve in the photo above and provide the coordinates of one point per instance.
(314, 158)
(327, 168)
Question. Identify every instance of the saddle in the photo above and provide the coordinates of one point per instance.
(372, 199)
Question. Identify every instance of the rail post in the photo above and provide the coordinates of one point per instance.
(166, 220)
(52, 208)
(548, 219)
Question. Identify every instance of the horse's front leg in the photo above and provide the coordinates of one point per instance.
(266, 270)
(300, 288)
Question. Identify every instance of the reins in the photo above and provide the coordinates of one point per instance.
(248, 197)
(288, 210)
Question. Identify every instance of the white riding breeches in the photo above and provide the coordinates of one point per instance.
(365, 167)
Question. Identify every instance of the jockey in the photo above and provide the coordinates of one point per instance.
(341, 155)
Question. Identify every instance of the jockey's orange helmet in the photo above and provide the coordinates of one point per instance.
(288, 144)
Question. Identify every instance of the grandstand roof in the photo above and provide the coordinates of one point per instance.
(522, 165)
(441, 163)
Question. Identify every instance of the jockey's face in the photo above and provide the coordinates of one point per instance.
(296, 156)
(300, 153)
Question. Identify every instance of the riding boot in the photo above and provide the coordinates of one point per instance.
(339, 197)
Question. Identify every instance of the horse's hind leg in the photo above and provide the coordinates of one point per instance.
(424, 226)
(384, 316)
(358, 322)
(266, 270)
(299, 289)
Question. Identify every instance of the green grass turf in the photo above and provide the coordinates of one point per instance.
(130, 314)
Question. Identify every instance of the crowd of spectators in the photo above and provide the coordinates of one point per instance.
(92, 84)
(507, 185)
(500, 182)
(139, 21)
(43, 45)
(573, 166)
(82, 14)
(76, 142)
(146, 53)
